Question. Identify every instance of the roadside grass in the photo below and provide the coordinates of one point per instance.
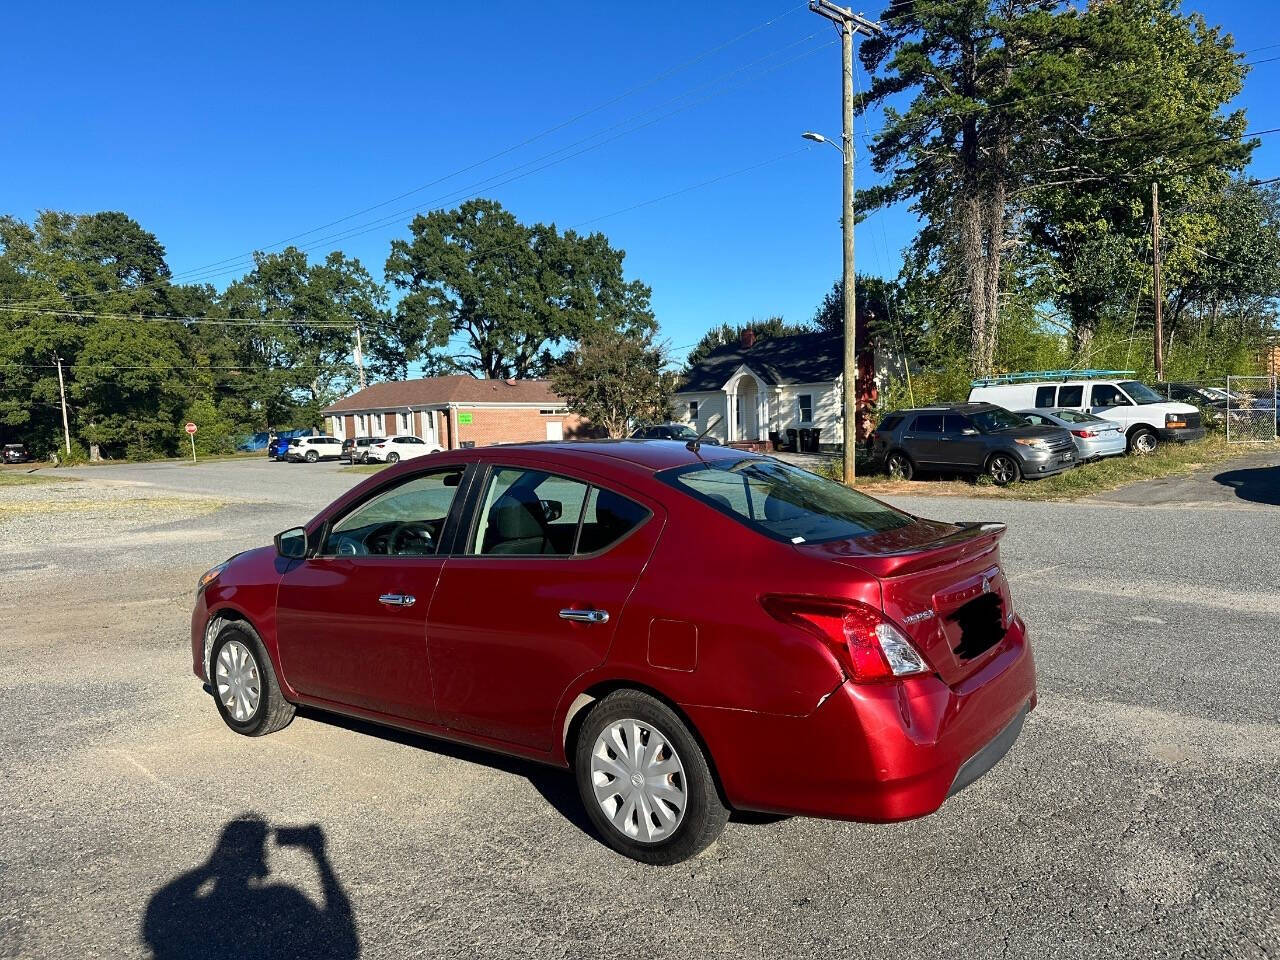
(1170, 460)
(21, 478)
(190, 506)
(363, 468)
(200, 458)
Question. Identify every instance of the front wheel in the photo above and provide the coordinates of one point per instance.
(899, 466)
(244, 684)
(1003, 470)
(1143, 441)
(645, 781)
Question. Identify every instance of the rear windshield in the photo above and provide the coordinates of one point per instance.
(784, 502)
(1076, 416)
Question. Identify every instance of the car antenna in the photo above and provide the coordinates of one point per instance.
(694, 444)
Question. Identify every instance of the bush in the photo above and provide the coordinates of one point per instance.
(78, 455)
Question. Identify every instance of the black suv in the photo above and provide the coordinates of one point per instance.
(15, 453)
(970, 438)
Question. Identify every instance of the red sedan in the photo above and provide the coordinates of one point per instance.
(690, 629)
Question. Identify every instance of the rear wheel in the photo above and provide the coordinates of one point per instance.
(393, 458)
(1143, 441)
(244, 684)
(311, 456)
(899, 466)
(645, 780)
(1003, 469)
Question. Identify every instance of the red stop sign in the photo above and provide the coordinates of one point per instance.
(190, 428)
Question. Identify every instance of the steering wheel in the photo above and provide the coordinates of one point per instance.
(404, 535)
(351, 547)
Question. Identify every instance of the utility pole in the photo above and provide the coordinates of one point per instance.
(62, 390)
(848, 23)
(360, 357)
(1159, 291)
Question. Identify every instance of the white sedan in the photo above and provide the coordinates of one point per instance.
(395, 449)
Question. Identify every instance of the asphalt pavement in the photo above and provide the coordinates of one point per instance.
(1137, 816)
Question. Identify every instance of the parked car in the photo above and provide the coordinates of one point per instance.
(278, 448)
(971, 438)
(356, 449)
(311, 449)
(842, 659)
(1094, 437)
(395, 449)
(15, 453)
(671, 431)
(1146, 416)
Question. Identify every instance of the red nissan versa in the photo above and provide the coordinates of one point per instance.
(689, 629)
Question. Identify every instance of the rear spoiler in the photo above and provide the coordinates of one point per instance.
(885, 559)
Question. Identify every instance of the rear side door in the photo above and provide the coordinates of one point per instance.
(533, 599)
(351, 620)
(923, 438)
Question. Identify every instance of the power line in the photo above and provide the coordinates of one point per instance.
(176, 318)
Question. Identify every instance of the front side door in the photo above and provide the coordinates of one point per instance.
(1109, 401)
(351, 620)
(532, 601)
(961, 442)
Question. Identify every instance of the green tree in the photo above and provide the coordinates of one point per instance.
(487, 295)
(616, 379)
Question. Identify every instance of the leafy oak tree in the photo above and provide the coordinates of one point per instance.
(616, 379)
(488, 295)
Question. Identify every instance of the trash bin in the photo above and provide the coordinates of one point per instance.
(793, 443)
(805, 439)
(775, 440)
(814, 435)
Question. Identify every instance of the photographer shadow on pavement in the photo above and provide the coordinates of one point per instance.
(227, 907)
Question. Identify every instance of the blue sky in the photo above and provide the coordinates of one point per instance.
(225, 129)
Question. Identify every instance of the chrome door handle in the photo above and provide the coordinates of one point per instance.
(585, 616)
(398, 599)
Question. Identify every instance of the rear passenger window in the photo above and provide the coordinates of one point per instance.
(928, 423)
(1044, 396)
(891, 421)
(1071, 395)
(607, 519)
(955, 425)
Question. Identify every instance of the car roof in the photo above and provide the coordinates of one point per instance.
(975, 407)
(648, 456)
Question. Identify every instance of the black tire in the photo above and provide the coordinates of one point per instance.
(898, 464)
(1003, 469)
(705, 813)
(273, 711)
(393, 458)
(311, 456)
(1143, 441)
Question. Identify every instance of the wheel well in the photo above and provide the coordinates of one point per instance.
(1139, 426)
(214, 627)
(578, 711)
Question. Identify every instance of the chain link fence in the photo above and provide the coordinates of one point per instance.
(1250, 409)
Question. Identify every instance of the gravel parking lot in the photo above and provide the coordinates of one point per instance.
(1137, 816)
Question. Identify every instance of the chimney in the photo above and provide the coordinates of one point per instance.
(748, 338)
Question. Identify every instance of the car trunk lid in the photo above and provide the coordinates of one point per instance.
(941, 583)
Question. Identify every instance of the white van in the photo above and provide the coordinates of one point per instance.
(1114, 395)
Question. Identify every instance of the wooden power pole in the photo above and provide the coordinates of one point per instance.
(848, 23)
(1159, 291)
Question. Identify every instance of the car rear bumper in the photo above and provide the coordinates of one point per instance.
(876, 752)
(1091, 449)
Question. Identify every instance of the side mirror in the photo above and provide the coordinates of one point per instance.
(969, 432)
(292, 543)
(552, 510)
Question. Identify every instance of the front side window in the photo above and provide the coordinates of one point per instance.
(805, 404)
(1044, 396)
(955, 425)
(784, 502)
(529, 513)
(407, 520)
(1106, 395)
(996, 419)
(1140, 392)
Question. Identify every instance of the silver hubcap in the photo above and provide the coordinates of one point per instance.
(1001, 470)
(638, 780)
(239, 685)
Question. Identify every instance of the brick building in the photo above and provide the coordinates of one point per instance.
(455, 411)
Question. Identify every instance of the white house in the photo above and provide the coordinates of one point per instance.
(752, 391)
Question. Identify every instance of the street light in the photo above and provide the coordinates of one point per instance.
(819, 138)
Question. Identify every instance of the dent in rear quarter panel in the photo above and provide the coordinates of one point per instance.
(709, 571)
(248, 589)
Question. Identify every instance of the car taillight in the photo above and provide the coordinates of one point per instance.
(869, 647)
(1084, 433)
